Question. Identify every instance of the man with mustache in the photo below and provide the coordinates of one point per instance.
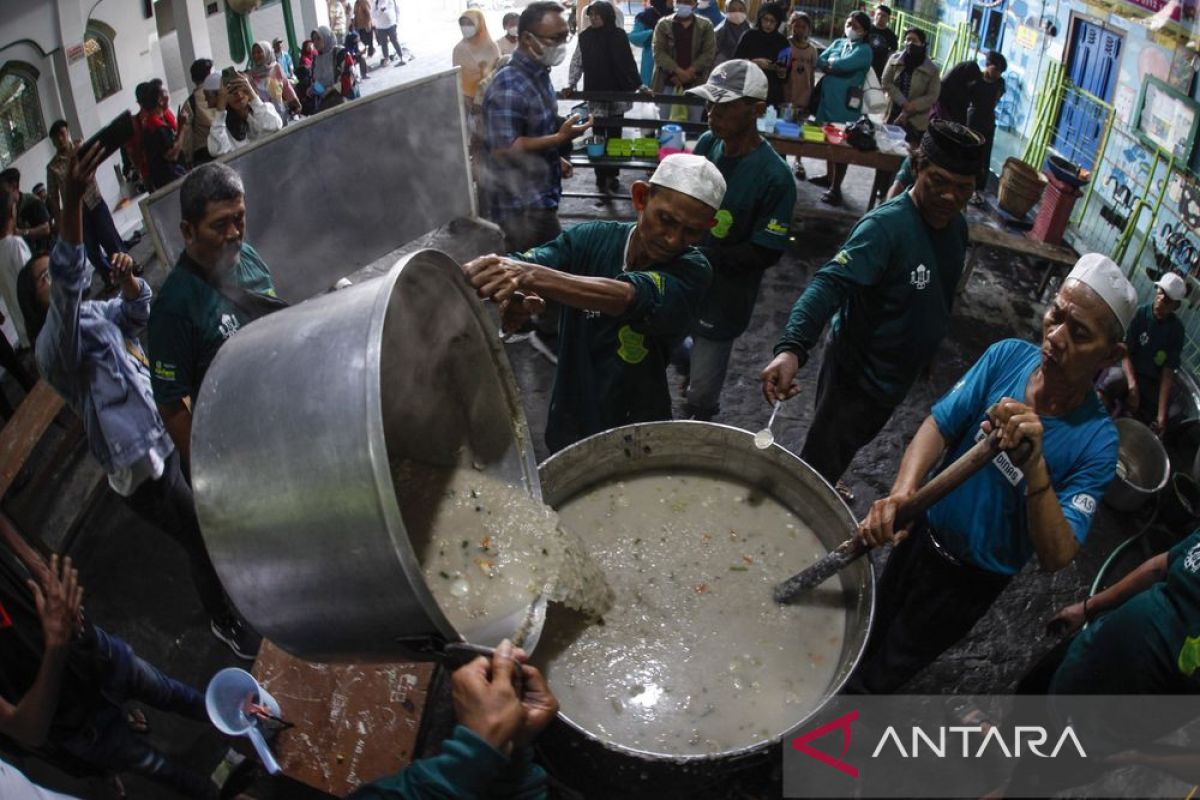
(88, 350)
(218, 285)
(888, 292)
(948, 568)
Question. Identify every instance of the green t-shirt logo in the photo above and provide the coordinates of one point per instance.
(1189, 655)
(633, 345)
(724, 224)
(1160, 358)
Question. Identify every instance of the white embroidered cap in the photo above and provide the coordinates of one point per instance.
(692, 175)
(1101, 273)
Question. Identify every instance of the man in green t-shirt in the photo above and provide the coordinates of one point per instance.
(628, 290)
(752, 224)
(218, 285)
(1155, 346)
(888, 292)
(1142, 638)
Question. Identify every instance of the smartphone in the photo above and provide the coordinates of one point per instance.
(582, 110)
(113, 135)
(228, 74)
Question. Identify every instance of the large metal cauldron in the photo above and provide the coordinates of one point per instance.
(1143, 468)
(616, 770)
(294, 428)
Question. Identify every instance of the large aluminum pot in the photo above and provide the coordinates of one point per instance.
(721, 451)
(294, 428)
(1143, 467)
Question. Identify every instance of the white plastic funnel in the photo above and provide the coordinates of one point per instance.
(229, 693)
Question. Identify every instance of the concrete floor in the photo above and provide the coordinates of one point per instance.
(137, 581)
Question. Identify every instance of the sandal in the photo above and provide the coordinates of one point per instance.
(832, 198)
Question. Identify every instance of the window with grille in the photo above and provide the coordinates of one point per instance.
(101, 60)
(21, 122)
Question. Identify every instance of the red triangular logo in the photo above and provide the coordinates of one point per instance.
(841, 723)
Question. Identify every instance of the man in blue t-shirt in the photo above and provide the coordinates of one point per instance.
(948, 568)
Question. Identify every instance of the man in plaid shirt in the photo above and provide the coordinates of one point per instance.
(523, 134)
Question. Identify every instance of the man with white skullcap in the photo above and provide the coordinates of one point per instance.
(948, 568)
(886, 295)
(1155, 344)
(628, 290)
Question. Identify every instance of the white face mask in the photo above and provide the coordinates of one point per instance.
(852, 34)
(468, 31)
(736, 17)
(704, 4)
(554, 55)
(683, 11)
(512, 32)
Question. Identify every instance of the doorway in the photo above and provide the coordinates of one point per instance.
(1092, 61)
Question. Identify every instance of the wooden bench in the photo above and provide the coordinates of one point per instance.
(21, 434)
(985, 235)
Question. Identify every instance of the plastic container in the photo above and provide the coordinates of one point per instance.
(834, 134)
(595, 149)
(1066, 172)
(619, 148)
(671, 136)
(788, 130)
(770, 118)
(812, 133)
(1054, 214)
(645, 148)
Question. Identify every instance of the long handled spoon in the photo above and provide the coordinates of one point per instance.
(764, 438)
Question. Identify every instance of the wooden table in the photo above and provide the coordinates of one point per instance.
(837, 153)
(983, 235)
(354, 723)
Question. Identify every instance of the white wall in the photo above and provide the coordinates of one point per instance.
(138, 59)
(29, 19)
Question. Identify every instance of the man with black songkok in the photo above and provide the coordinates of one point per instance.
(888, 292)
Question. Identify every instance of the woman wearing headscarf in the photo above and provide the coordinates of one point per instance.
(643, 34)
(764, 45)
(605, 62)
(912, 83)
(731, 30)
(476, 55)
(242, 117)
(269, 81)
(324, 83)
(845, 63)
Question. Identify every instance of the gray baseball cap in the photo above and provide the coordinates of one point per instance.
(733, 80)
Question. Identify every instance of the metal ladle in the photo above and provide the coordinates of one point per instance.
(764, 438)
